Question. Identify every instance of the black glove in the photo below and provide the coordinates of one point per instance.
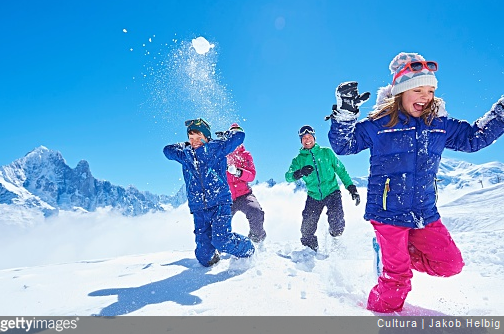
(353, 191)
(304, 171)
(499, 107)
(222, 134)
(348, 101)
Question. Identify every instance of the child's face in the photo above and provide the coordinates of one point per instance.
(195, 139)
(416, 99)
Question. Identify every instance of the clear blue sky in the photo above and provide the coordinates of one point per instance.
(74, 81)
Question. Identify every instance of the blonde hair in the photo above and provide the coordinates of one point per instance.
(393, 106)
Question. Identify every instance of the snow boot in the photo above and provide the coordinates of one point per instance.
(257, 238)
(311, 242)
(215, 259)
(335, 234)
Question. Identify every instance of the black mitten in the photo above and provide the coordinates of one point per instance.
(353, 192)
(304, 171)
(222, 134)
(348, 98)
(499, 107)
(348, 101)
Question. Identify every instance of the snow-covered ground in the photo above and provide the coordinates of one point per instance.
(77, 264)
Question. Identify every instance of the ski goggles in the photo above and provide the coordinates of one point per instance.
(416, 66)
(306, 130)
(197, 122)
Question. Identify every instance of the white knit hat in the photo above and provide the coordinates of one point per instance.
(409, 80)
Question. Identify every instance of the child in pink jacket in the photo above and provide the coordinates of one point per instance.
(240, 172)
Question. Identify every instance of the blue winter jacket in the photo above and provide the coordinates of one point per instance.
(404, 160)
(204, 169)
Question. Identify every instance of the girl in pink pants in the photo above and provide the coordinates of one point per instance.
(406, 134)
(429, 250)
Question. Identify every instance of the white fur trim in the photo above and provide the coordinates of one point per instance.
(442, 109)
(383, 94)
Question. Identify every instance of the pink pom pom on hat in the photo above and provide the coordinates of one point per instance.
(235, 126)
(409, 80)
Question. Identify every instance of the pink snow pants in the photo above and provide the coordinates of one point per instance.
(430, 250)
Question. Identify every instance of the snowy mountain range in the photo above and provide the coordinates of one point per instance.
(42, 182)
(459, 174)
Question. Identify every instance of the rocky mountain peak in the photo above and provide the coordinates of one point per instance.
(42, 176)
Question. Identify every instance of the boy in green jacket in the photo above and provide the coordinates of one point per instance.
(318, 167)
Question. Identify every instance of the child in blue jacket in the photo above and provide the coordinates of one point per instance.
(204, 167)
(406, 135)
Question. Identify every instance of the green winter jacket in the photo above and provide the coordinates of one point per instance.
(322, 181)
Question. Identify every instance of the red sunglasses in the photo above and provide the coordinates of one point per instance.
(417, 66)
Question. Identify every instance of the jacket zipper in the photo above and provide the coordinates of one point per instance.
(418, 133)
(318, 175)
(435, 187)
(200, 177)
(386, 189)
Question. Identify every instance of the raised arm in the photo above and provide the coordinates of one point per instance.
(346, 136)
(175, 151)
(465, 137)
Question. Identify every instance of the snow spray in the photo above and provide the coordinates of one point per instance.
(185, 84)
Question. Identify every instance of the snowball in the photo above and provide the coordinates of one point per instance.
(201, 45)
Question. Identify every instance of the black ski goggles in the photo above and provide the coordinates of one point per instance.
(306, 130)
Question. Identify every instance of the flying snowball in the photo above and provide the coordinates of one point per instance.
(125, 31)
(201, 45)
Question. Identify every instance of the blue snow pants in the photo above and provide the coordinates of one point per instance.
(212, 228)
